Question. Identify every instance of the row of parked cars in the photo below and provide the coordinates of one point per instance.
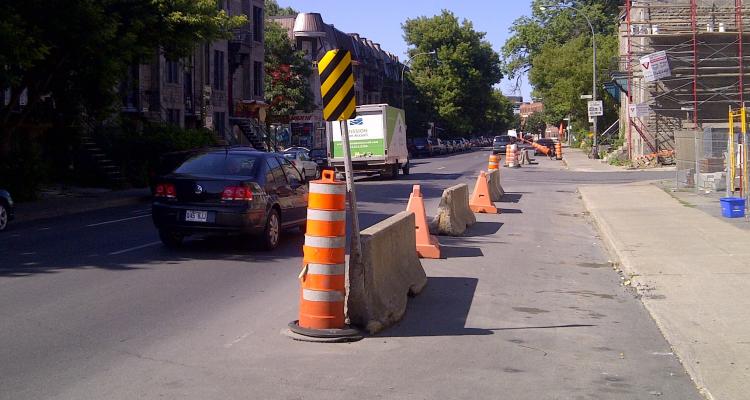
(428, 147)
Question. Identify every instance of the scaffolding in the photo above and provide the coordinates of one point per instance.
(706, 45)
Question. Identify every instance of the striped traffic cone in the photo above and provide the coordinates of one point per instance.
(321, 311)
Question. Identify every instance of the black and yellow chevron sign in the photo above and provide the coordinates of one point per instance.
(337, 85)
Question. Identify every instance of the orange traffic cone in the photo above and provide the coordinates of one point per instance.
(427, 245)
(480, 201)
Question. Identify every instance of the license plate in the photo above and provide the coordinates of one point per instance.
(196, 216)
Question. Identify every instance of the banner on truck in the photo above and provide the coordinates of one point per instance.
(366, 136)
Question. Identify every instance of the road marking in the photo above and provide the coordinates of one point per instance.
(235, 341)
(441, 168)
(118, 220)
(143, 246)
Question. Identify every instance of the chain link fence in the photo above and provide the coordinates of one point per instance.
(707, 153)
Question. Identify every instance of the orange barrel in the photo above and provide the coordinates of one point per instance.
(323, 290)
(558, 151)
(494, 162)
(510, 156)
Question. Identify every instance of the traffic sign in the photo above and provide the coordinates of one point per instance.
(337, 85)
(596, 109)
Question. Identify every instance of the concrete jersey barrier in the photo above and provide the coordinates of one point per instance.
(389, 272)
(496, 189)
(454, 215)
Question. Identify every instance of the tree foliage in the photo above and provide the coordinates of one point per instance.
(272, 8)
(554, 26)
(553, 46)
(458, 81)
(75, 51)
(286, 87)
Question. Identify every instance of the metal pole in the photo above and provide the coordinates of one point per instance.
(594, 149)
(355, 250)
(697, 168)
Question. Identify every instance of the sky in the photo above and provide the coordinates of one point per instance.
(381, 21)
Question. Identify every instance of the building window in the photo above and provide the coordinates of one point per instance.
(258, 24)
(258, 78)
(173, 71)
(218, 70)
(173, 116)
(219, 123)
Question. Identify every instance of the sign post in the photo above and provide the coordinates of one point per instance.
(339, 104)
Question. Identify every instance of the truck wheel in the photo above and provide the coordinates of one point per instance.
(406, 168)
(394, 171)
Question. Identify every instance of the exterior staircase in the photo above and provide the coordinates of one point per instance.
(253, 131)
(107, 167)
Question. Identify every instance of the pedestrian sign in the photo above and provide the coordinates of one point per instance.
(337, 85)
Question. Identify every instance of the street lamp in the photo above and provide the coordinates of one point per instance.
(408, 60)
(594, 149)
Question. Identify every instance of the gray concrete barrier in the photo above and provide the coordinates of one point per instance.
(454, 214)
(496, 188)
(390, 271)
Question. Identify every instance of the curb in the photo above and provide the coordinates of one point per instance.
(614, 249)
(22, 217)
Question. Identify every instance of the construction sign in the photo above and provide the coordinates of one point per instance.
(655, 66)
(337, 85)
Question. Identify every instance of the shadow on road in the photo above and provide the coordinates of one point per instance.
(440, 310)
(510, 198)
(460, 252)
(509, 211)
(481, 228)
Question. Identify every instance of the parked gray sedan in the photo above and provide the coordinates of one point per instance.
(6, 209)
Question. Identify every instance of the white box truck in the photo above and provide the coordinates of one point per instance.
(377, 137)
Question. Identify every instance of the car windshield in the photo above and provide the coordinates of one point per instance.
(420, 141)
(502, 139)
(219, 164)
(290, 155)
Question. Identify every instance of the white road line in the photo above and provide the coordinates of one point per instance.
(441, 168)
(143, 246)
(118, 220)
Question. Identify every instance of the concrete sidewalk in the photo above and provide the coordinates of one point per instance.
(578, 160)
(693, 273)
(58, 201)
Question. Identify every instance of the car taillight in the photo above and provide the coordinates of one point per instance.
(237, 193)
(165, 190)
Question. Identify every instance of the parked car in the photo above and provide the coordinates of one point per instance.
(546, 142)
(300, 157)
(422, 147)
(7, 209)
(230, 191)
(467, 145)
(437, 146)
(499, 144)
(320, 157)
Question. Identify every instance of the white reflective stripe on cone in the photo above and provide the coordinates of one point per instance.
(326, 269)
(331, 296)
(323, 215)
(325, 242)
(327, 188)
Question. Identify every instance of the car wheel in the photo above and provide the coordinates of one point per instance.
(3, 217)
(406, 168)
(272, 232)
(170, 238)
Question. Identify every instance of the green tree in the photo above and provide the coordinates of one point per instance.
(272, 8)
(535, 124)
(76, 51)
(286, 85)
(562, 73)
(459, 80)
(554, 26)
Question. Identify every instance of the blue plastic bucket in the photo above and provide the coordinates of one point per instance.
(732, 207)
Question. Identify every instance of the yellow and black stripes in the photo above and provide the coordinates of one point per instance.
(337, 85)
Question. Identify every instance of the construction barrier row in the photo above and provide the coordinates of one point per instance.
(388, 269)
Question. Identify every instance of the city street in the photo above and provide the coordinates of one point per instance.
(525, 306)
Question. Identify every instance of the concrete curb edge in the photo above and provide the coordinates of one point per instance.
(615, 249)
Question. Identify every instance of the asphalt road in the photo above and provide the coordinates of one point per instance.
(525, 306)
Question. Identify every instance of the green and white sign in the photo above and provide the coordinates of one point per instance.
(366, 137)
